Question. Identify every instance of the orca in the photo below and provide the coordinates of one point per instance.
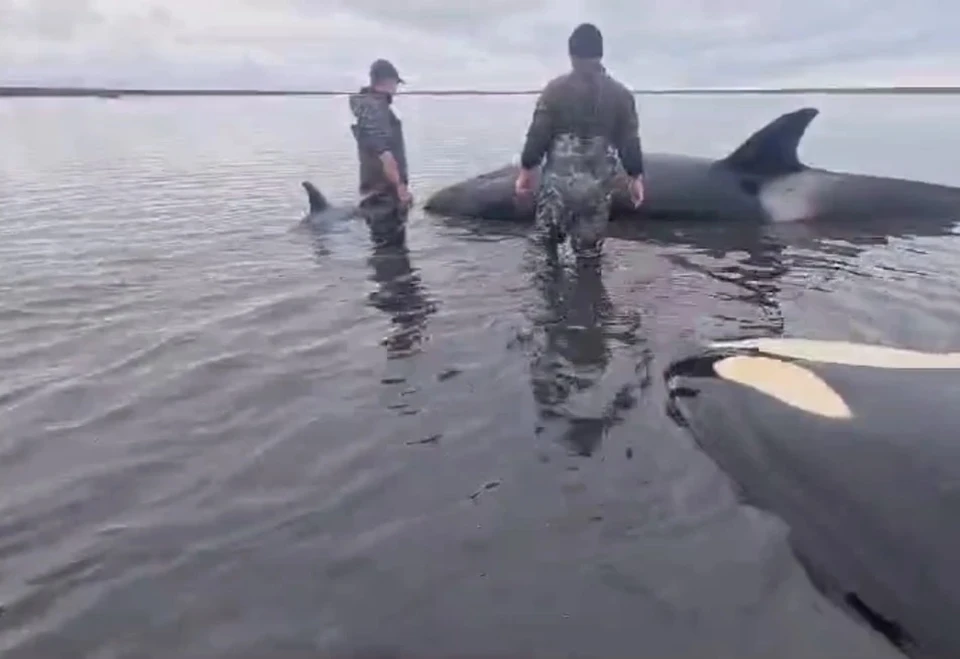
(762, 181)
(321, 214)
(857, 448)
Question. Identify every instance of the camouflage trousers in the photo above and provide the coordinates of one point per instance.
(575, 206)
(385, 217)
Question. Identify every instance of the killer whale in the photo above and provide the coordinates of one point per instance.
(855, 447)
(321, 214)
(762, 180)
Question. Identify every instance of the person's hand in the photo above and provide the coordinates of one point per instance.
(636, 191)
(406, 199)
(524, 184)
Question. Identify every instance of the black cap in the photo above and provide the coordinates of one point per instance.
(382, 69)
(586, 42)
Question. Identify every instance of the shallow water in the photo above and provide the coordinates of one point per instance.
(223, 436)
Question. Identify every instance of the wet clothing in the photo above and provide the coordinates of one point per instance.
(585, 103)
(386, 218)
(586, 125)
(377, 130)
(574, 198)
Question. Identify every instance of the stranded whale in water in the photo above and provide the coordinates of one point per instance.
(320, 213)
(763, 180)
(857, 449)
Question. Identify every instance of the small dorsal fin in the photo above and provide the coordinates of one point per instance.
(316, 199)
(773, 148)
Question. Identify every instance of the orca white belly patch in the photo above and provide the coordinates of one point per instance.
(793, 198)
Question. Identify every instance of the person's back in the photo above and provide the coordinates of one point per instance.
(588, 108)
(585, 124)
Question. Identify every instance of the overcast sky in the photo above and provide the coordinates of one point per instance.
(490, 44)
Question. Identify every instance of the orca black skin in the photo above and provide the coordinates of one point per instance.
(763, 180)
(872, 497)
(321, 214)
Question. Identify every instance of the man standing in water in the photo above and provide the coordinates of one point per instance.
(383, 159)
(582, 122)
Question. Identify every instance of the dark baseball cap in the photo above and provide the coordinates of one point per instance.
(382, 69)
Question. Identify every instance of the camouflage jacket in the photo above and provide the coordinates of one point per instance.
(377, 130)
(584, 114)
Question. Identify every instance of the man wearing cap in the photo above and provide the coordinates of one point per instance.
(383, 158)
(585, 123)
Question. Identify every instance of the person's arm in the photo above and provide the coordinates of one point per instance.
(628, 137)
(391, 169)
(373, 128)
(540, 131)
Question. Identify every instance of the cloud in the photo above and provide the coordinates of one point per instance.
(506, 44)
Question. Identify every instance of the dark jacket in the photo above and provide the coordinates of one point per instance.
(585, 103)
(377, 129)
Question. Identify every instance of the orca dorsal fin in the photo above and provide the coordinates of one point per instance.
(318, 202)
(773, 148)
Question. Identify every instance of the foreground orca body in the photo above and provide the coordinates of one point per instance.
(857, 449)
(763, 180)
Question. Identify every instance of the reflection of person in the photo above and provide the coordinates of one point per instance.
(382, 153)
(400, 294)
(573, 354)
(583, 121)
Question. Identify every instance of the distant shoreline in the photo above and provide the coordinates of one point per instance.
(105, 92)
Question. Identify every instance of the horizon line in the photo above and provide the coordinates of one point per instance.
(114, 92)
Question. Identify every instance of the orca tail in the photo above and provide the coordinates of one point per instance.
(316, 199)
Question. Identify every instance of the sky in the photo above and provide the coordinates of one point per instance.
(489, 44)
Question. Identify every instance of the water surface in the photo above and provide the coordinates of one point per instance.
(222, 436)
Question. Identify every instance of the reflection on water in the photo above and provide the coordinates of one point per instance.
(748, 261)
(754, 277)
(400, 291)
(575, 323)
(401, 295)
